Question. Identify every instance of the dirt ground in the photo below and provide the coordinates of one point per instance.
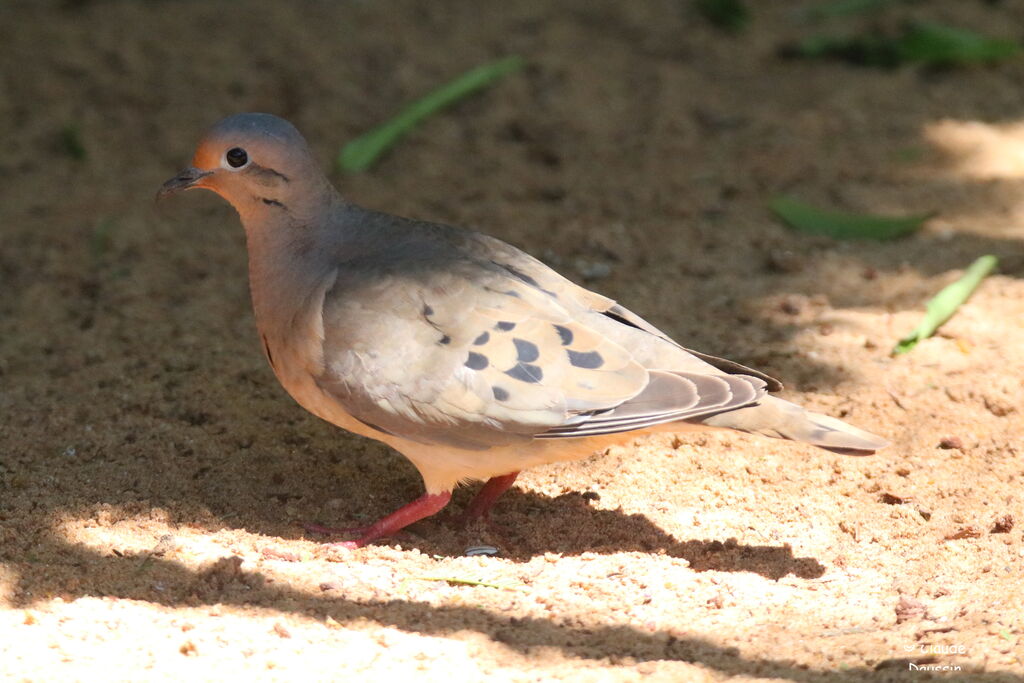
(152, 471)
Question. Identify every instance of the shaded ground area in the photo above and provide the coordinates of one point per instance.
(151, 470)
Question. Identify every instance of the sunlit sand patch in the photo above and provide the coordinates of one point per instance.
(193, 645)
(981, 150)
(131, 537)
(856, 335)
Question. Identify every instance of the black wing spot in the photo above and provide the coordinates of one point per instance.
(427, 310)
(476, 361)
(272, 202)
(482, 339)
(610, 313)
(565, 333)
(591, 360)
(526, 351)
(500, 394)
(505, 326)
(524, 372)
(445, 340)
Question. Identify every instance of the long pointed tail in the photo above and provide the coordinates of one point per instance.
(784, 420)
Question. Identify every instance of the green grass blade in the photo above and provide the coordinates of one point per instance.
(944, 304)
(729, 15)
(456, 581)
(945, 45)
(843, 226)
(361, 153)
(928, 44)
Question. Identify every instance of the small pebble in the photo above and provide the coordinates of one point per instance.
(1003, 525)
(784, 261)
(892, 499)
(481, 550)
(790, 306)
(949, 442)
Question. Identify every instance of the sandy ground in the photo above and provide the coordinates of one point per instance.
(152, 471)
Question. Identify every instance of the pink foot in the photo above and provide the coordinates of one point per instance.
(480, 506)
(421, 508)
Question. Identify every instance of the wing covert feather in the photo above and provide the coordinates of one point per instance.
(466, 341)
(469, 359)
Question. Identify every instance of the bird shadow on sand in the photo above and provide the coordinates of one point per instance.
(526, 524)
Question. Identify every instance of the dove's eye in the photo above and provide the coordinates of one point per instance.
(236, 157)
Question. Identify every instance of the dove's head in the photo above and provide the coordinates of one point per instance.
(259, 163)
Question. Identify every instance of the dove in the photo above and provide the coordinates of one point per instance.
(469, 357)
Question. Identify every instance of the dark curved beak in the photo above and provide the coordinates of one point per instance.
(183, 181)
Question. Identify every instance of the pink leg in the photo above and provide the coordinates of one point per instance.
(485, 499)
(421, 508)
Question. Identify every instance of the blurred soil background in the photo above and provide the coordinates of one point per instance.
(152, 471)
